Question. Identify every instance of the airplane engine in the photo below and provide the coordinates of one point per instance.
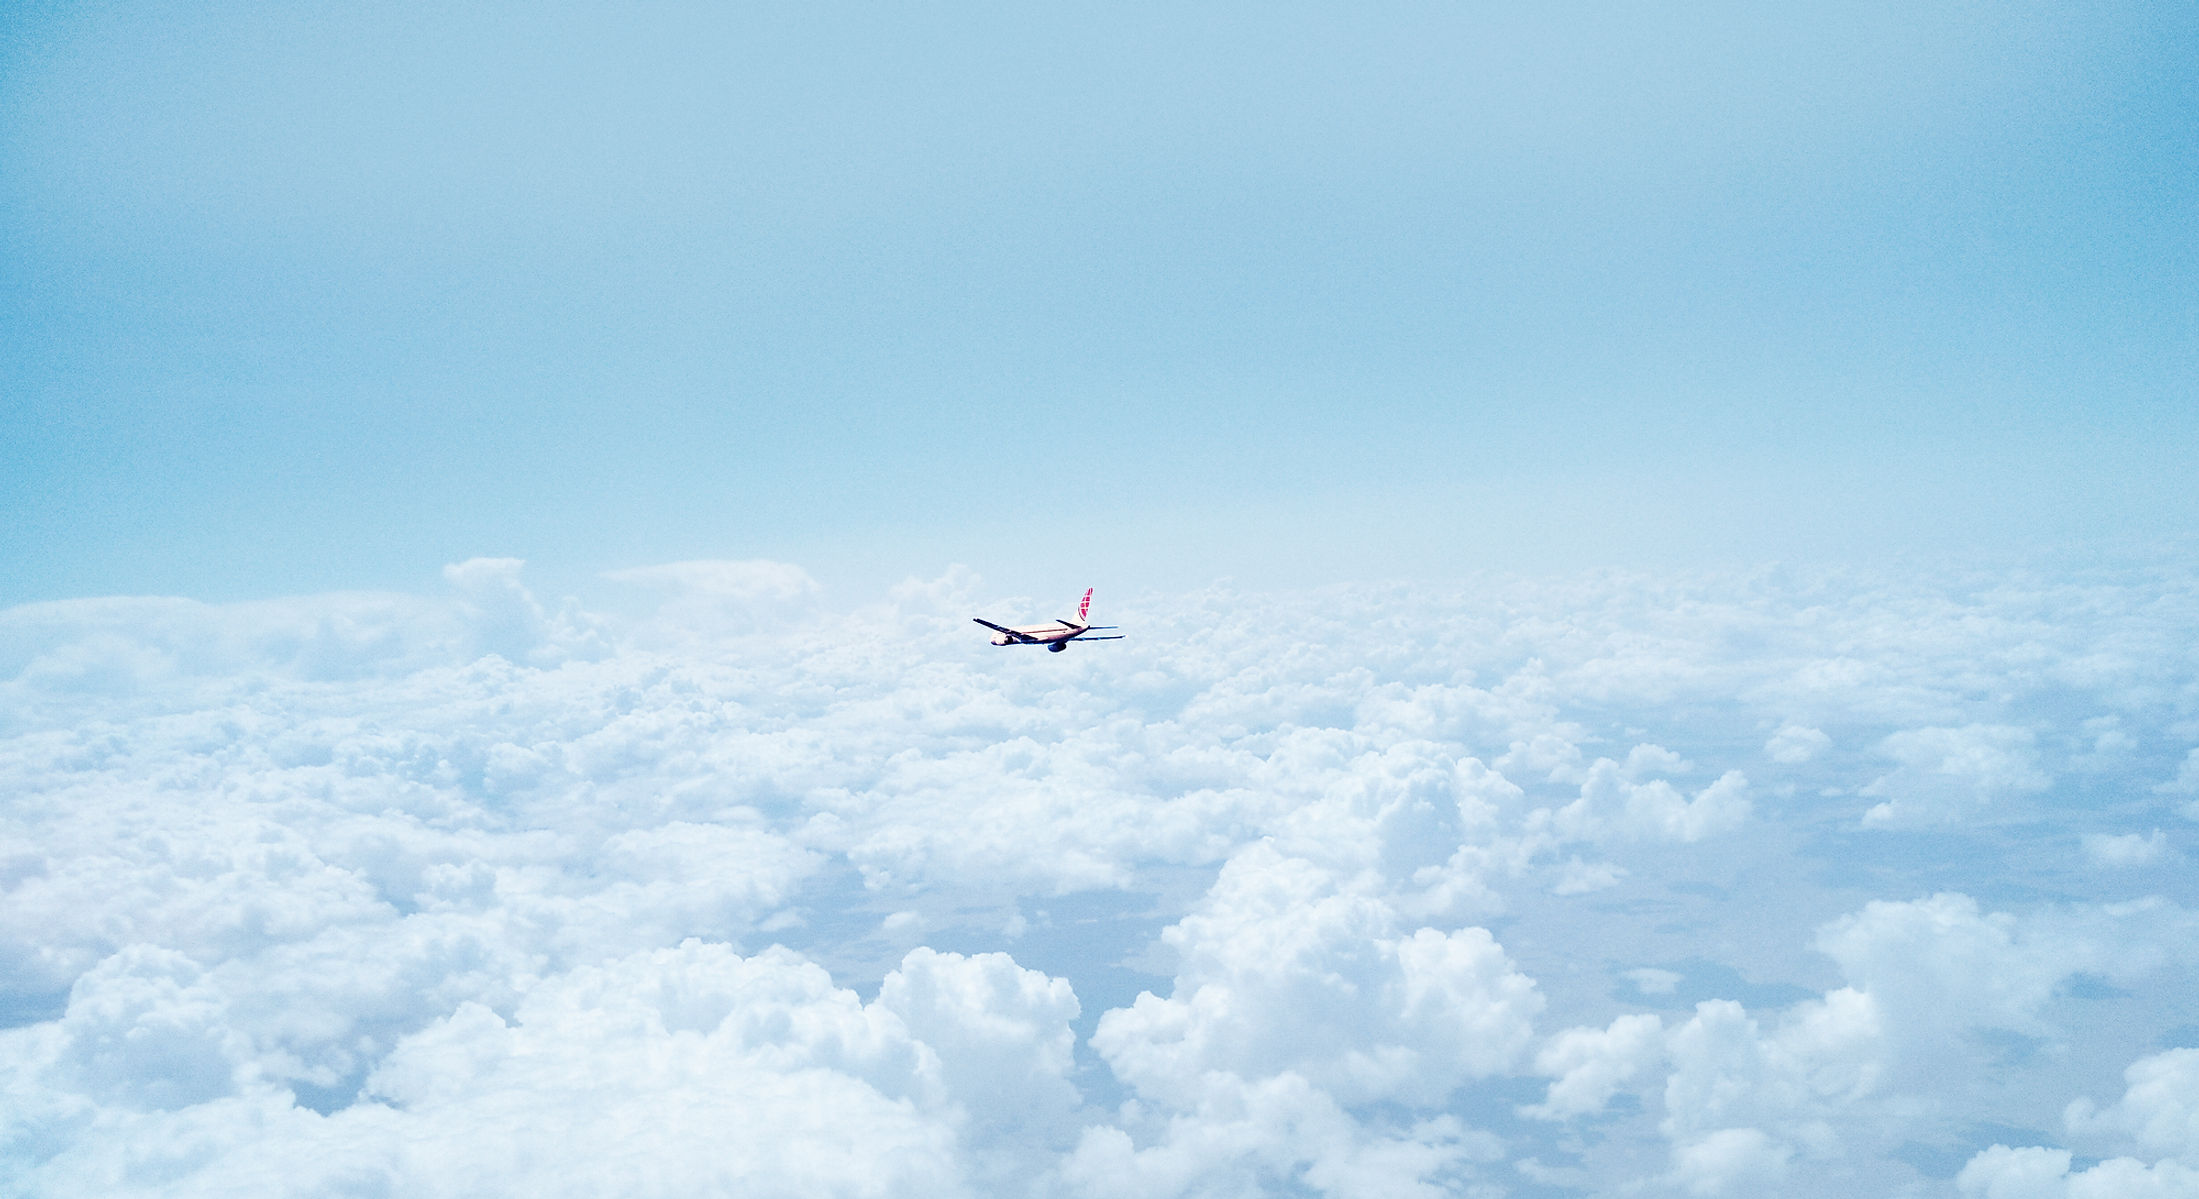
(1057, 647)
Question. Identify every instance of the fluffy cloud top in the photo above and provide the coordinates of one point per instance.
(1282, 970)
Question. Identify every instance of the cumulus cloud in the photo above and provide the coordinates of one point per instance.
(1946, 773)
(2158, 1114)
(2036, 1173)
(765, 1050)
(1731, 1160)
(92, 653)
(144, 1029)
(1795, 744)
(1728, 1070)
(599, 1080)
(1002, 1034)
(1279, 1134)
(1590, 1065)
(2125, 850)
(1617, 802)
(1285, 968)
(2159, 1110)
(1744, 1097)
(1299, 999)
(1942, 960)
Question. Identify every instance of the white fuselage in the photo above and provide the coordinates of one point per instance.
(1051, 631)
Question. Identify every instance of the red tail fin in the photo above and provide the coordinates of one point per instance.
(1084, 607)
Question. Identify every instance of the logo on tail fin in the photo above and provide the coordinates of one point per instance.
(1084, 606)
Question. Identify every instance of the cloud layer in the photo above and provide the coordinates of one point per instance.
(1746, 884)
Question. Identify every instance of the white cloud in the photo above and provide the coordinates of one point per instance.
(1730, 1161)
(1298, 998)
(1941, 961)
(1617, 800)
(2159, 1110)
(1795, 744)
(599, 1081)
(1590, 1065)
(1281, 1133)
(1577, 877)
(2035, 1173)
(1002, 1034)
(143, 1028)
(1286, 969)
(2125, 850)
(1947, 773)
(1786, 1085)
(2158, 1114)
(114, 649)
(1745, 1096)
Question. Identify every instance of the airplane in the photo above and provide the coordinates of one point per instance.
(1056, 636)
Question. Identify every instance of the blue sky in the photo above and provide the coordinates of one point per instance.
(327, 299)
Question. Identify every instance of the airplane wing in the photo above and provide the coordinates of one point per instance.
(1082, 637)
(998, 628)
